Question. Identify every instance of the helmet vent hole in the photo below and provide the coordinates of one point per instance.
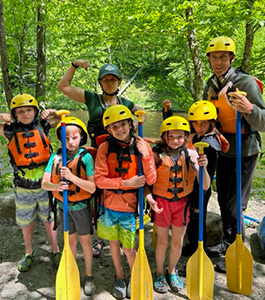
(107, 118)
(122, 112)
(227, 44)
(192, 113)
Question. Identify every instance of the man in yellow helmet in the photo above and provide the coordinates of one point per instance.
(225, 81)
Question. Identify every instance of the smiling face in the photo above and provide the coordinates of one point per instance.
(201, 127)
(25, 114)
(220, 61)
(73, 138)
(110, 83)
(120, 130)
(175, 138)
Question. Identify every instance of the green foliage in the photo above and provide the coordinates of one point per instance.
(131, 34)
(6, 182)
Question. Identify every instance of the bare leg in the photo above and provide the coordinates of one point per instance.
(28, 237)
(175, 247)
(130, 254)
(116, 257)
(73, 243)
(85, 241)
(52, 235)
(161, 248)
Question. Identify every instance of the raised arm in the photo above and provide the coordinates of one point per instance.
(65, 86)
(6, 118)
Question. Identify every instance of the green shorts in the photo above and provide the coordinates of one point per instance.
(117, 225)
(30, 204)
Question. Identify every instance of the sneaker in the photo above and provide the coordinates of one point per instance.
(174, 281)
(128, 293)
(220, 266)
(216, 250)
(160, 284)
(25, 264)
(89, 286)
(56, 257)
(119, 288)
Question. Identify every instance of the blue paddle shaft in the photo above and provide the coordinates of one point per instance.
(65, 200)
(141, 189)
(238, 171)
(201, 203)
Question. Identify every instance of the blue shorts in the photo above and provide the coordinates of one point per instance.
(117, 225)
(30, 204)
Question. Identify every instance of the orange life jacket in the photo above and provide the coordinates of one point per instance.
(122, 163)
(77, 167)
(29, 147)
(175, 177)
(226, 114)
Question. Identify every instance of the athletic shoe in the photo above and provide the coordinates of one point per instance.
(119, 288)
(25, 264)
(89, 286)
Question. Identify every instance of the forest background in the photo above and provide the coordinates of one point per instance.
(163, 42)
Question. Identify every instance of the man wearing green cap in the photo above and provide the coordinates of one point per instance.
(109, 79)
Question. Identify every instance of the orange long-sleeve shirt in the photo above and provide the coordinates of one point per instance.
(120, 202)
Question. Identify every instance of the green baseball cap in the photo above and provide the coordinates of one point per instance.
(109, 69)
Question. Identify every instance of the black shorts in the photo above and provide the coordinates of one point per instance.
(79, 221)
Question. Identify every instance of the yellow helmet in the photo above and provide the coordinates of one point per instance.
(23, 100)
(174, 123)
(116, 113)
(76, 122)
(221, 43)
(202, 110)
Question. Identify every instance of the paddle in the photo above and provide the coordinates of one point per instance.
(238, 259)
(141, 277)
(200, 271)
(67, 277)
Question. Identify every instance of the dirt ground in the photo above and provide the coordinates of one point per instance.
(39, 282)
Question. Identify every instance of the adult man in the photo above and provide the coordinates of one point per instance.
(227, 80)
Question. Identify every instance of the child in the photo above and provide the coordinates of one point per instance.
(116, 171)
(177, 168)
(202, 115)
(29, 152)
(79, 174)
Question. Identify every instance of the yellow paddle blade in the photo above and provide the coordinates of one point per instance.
(67, 277)
(239, 267)
(141, 277)
(200, 275)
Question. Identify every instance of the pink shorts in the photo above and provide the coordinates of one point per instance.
(173, 213)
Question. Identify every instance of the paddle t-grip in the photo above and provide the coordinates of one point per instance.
(201, 146)
(139, 114)
(62, 113)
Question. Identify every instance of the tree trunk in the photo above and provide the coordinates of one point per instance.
(194, 49)
(250, 33)
(4, 58)
(41, 56)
